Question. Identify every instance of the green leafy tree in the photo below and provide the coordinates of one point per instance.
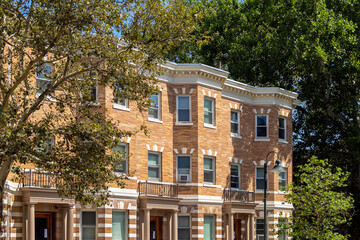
(320, 206)
(72, 47)
(307, 46)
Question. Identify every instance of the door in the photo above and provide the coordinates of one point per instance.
(44, 226)
(237, 229)
(155, 228)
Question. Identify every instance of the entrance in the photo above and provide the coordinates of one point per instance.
(44, 226)
(237, 229)
(155, 228)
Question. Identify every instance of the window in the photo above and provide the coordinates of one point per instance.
(119, 100)
(119, 225)
(282, 181)
(209, 223)
(154, 110)
(88, 225)
(94, 94)
(43, 76)
(260, 179)
(154, 168)
(282, 128)
(260, 229)
(209, 111)
(183, 168)
(183, 109)
(235, 176)
(234, 119)
(261, 127)
(209, 176)
(123, 149)
(184, 227)
(282, 223)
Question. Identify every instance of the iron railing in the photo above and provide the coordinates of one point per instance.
(233, 195)
(158, 189)
(35, 178)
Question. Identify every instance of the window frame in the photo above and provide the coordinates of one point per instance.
(212, 124)
(267, 127)
(256, 178)
(118, 104)
(177, 109)
(126, 221)
(213, 170)
(43, 79)
(81, 221)
(188, 216)
(213, 225)
(158, 108)
(284, 128)
(177, 169)
(285, 236)
(283, 180)
(127, 158)
(159, 166)
(238, 123)
(258, 235)
(239, 182)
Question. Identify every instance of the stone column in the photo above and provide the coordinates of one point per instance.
(25, 221)
(70, 223)
(247, 227)
(64, 222)
(169, 227)
(175, 225)
(252, 217)
(31, 214)
(231, 226)
(146, 224)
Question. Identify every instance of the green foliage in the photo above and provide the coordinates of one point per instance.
(74, 46)
(320, 205)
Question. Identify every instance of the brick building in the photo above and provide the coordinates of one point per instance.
(198, 176)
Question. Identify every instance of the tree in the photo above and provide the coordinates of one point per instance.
(72, 47)
(319, 204)
(311, 47)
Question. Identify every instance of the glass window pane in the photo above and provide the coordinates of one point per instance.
(153, 113)
(281, 133)
(208, 117)
(208, 162)
(184, 115)
(261, 131)
(208, 105)
(153, 172)
(184, 171)
(234, 116)
(260, 226)
(118, 225)
(281, 122)
(153, 159)
(234, 128)
(183, 102)
(89, 218)
(259, 172)
(260, 184)
(88, 233)
(208, 176)
(184, 221)
(184, 234)
(261, 120)
(208, 227)
(154, 99)
(183, 162)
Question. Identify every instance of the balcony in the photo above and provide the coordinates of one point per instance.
(232, 195)
(158, 189)
(34, 178)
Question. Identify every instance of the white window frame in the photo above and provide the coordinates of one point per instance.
(282, 139)
(81, 221)
(239, 182)
(127, 159)
(212, 124)
(177, 169)
(158, 119)
(285, 179)
(256, 177)
(177, 111)
(266, 138)
(213, 170)
(126, 220)
(159, 167)
(185, 215)
(238, 123)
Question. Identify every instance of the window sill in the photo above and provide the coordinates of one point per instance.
(48, 98)
(234, 135)
(155, 180)
(121, 174)
(154, 120)
(209, 126)
(121, 107)
(211, 185)
(91, 104)
(184, 124)
(283, 141)
(262, 139)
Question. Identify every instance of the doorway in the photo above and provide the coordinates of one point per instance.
(155, 228)
(44, 226)
(237, 229)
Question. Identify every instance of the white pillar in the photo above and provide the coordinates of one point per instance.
(175, 226)
(31, 214)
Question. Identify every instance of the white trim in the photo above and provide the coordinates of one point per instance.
(159, 109)
(177, 111)
(159, 166)
(285, 130)
(212, 124)
(121, 107)
(236, 135)
(266, 138)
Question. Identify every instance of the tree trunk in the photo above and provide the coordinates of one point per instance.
(4, 172)
(355, 190)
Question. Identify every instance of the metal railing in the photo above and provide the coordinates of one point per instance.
(35, 178)
(158, 189)
(233, 195)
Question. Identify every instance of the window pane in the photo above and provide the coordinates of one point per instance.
(153, 172)
(281, 133)
(234, 176)
(259, 172)
(153, 159)
(208, 227)
(183, 102)
(184, 171)
(184, 233)
(281, 122)
(184, 115)
(234, 182)
(154, 99)
(118, 225)
(88, 233)
(208, 117)
(183, 162)
(208, 176)
(208, 162)
(234, 116)
(261, 131)
(184, 221)
(260, 226)
(89, 218)
(208, 105)
(260, 184)
(261, 120)
(234, 128)
(153, 113)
